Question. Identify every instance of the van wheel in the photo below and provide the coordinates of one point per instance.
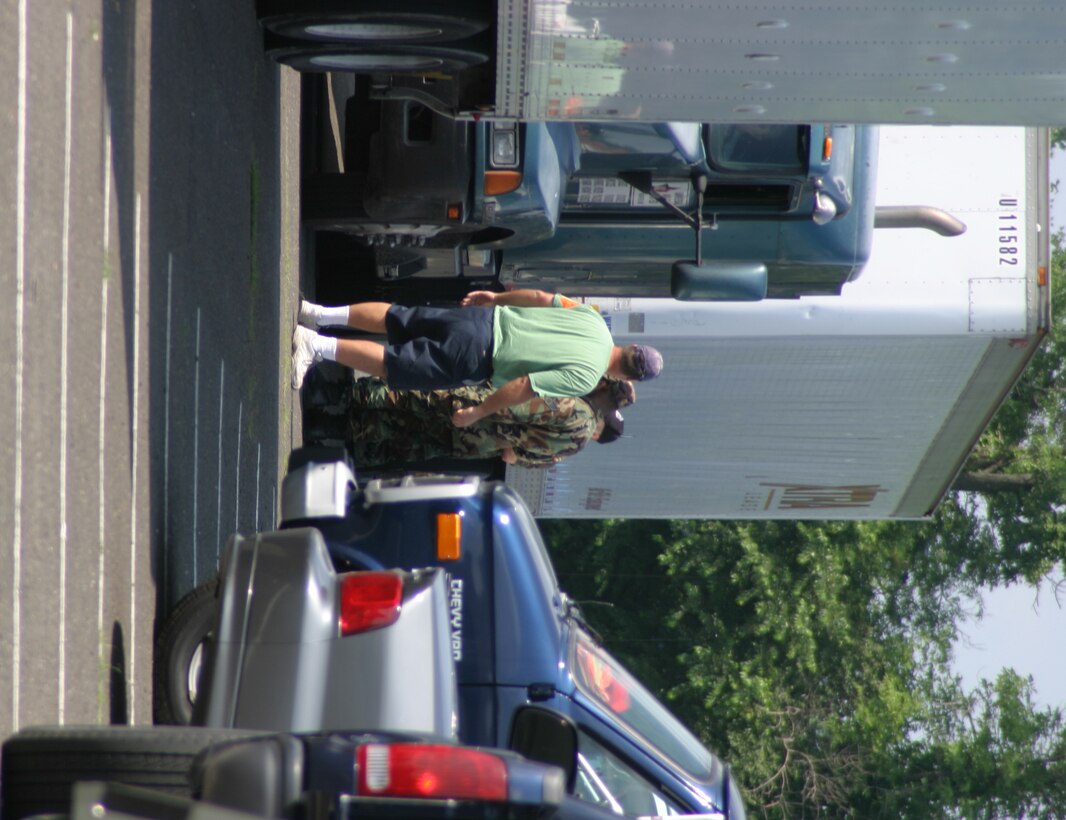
(374, 22)
(41, 764)
(179, 654)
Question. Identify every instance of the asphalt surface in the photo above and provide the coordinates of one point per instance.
(149, 266)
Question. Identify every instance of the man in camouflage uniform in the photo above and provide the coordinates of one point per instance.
(388, 428)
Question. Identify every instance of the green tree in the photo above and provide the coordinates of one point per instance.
(814, 657)
(993, 754)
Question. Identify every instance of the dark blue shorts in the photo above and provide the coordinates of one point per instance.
(432, 348)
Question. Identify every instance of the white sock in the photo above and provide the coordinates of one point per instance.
(325, 346)
(332, 316)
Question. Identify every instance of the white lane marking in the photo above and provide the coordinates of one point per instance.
(237, 484)
(195, 447)
(20, 274)
(166, 429)
(218, 479)
(258, 456)
(103, 650)
(104, 645)
(64, 301)
(134, 464)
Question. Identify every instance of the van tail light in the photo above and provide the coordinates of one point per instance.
(429, 771)
(369, 600)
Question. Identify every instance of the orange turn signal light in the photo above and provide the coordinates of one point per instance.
(455, 211)
(827, 149)
(501, 182)
(449, 536)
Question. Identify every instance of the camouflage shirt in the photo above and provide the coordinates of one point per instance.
(390, 427)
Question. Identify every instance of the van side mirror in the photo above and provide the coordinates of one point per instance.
(546, 736)
(718, 281)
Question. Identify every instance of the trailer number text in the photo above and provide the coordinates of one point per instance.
(1008, 233)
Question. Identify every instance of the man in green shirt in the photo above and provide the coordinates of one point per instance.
(528, 343)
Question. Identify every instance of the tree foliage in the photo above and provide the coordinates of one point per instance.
(815, 658)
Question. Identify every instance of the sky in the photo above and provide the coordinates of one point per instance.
(1025, 629)
(1022, 628)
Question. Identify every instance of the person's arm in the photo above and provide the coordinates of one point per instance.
(514, 392)
(508, 454)
(512, 298)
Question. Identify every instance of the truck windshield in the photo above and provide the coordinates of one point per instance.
(758, 149)
(605, 680)
(618, 145)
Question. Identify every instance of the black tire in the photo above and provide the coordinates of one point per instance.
(41, 764)
(397, 59)
(179, 647)
(374, 22)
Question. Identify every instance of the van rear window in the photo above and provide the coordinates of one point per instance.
(608, 682)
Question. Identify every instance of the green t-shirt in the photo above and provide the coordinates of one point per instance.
(564, 351)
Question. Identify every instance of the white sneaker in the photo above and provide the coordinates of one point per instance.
(303, 355)
(309, 313)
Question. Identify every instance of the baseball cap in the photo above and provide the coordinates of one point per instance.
(613, 426)
(648, 361)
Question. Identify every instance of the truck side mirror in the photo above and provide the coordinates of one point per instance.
(546, 736)
(718, 281)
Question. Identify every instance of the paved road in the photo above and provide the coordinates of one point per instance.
(148, 268)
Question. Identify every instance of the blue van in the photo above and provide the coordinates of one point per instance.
(516, 640)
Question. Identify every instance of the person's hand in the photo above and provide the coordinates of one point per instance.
(465, 416)
(508, 455)
(479, 298)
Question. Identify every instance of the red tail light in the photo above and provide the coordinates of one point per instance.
(369, 600)
(431, 772)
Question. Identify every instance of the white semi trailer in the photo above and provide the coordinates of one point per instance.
(773, 61)
(859, 406)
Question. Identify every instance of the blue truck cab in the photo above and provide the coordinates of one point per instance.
(602, 208)
(515, 637)
(796, 199)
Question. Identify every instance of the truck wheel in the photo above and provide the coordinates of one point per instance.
(395, 59)
(373, 22)
(179, 654)
(41, 764)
